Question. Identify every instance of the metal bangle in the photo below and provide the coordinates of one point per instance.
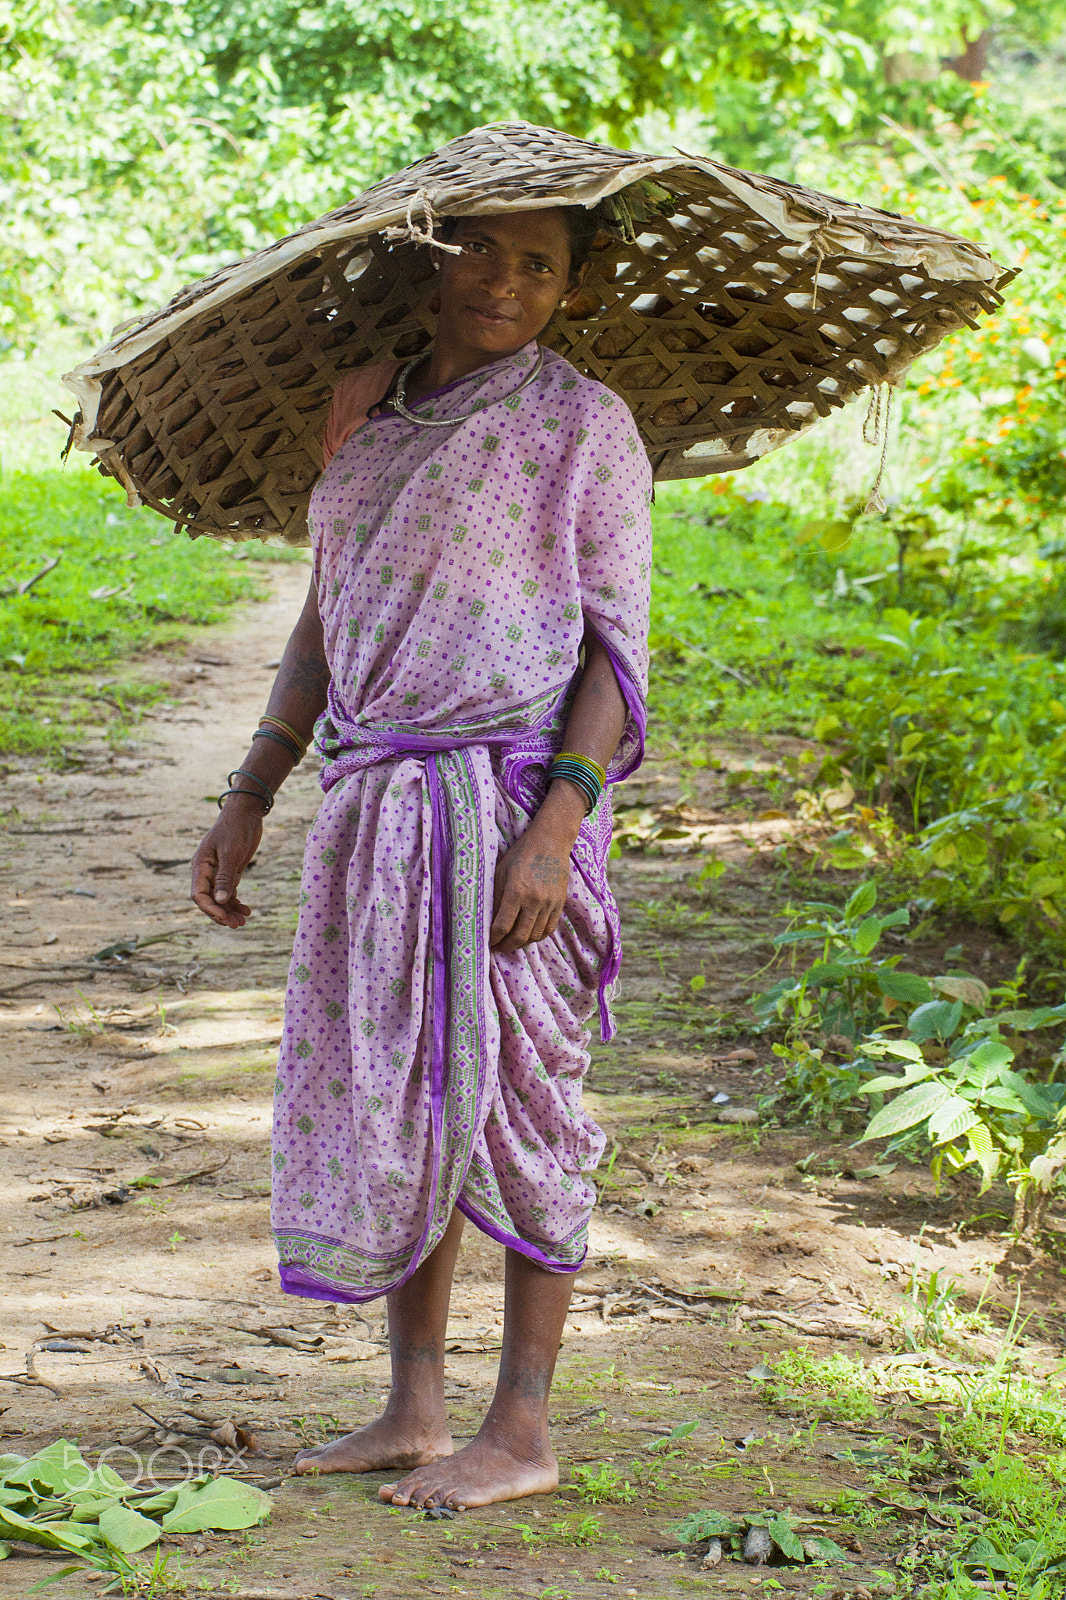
(267, 804)
(242, 772)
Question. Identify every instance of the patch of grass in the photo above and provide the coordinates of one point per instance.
(1001, 1434)
(123, 580)
(602, 1484)
(579, 1528)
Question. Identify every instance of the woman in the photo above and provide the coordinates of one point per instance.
(479, 604)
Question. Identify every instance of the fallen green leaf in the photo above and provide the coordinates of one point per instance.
(222, 1503)
(127, 1530)
(783, 1534)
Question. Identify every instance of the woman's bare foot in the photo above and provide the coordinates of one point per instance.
(488, 1469)
(380, 1445)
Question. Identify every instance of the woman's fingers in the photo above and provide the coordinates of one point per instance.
(216, 873)
(529, 894)
(233, 913)
(504, 920)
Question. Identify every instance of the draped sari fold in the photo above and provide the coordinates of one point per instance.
(458, 571)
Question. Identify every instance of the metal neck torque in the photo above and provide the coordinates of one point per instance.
(399, 398)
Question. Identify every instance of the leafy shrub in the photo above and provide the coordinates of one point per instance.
(973, 1107)
(848, 988)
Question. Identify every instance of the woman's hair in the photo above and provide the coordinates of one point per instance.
(582, 226)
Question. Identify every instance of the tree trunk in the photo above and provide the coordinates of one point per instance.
(972, 64)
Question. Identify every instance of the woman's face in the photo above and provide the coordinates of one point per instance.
(504, 287)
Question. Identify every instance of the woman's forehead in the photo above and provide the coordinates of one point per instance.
(543, 227)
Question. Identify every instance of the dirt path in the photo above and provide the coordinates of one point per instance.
(134, 1177)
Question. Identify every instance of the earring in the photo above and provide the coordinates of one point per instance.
(562, 303)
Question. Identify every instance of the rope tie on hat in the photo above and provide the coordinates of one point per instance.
(817, 273)
(410, 231)
(875, 432)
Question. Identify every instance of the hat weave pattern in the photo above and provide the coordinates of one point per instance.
(730, 311)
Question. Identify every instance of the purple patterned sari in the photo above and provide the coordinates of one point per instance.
(457, 570)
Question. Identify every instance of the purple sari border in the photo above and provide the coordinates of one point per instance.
(512, 1241)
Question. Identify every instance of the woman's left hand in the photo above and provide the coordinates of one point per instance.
(532, 882)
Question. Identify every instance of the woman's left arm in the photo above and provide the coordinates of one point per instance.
(533, 876)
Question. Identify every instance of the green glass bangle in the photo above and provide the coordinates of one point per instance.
(580, 777)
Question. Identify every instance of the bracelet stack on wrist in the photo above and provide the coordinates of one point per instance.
(584, 773)
(262, 791)
(282, 733)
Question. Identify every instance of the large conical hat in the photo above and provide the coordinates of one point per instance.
(730, 311)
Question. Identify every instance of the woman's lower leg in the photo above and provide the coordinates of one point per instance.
(535, 1307)
(511, 1454)
(413, 1428)
(418, 1322)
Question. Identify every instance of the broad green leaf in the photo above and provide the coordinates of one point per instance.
(835, 535)
(861, 901)
(992, 1053)
(951, 1120)
(900, 918)
(819, 1547)
(885, 1084)
(904, 1048)
(704, 1525)
(222, 1503)
(61, 1467)
(1035, 1097)
(972, 848)
(163, 1501)
(905, 986)
(1025, 1021)
(983, 1553)
(937, 1019)
(971, 991)
(847, 857)
(53, 1535)
(867, 934)
(907, 1110)
(8, 1463)
(5, 1551)
(979, 1140)
(824, 974)
(127, 1530)
(1001, 1099)
(89, 1507)
(783, 1534)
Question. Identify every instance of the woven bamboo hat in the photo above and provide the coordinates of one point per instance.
(730, 311)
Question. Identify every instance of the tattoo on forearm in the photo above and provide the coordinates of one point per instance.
(307, 675)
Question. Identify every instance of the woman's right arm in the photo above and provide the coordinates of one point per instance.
(298, 698)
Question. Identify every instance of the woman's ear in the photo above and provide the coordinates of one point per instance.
(577, 279)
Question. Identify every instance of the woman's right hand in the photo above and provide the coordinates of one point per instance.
(223, 855)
